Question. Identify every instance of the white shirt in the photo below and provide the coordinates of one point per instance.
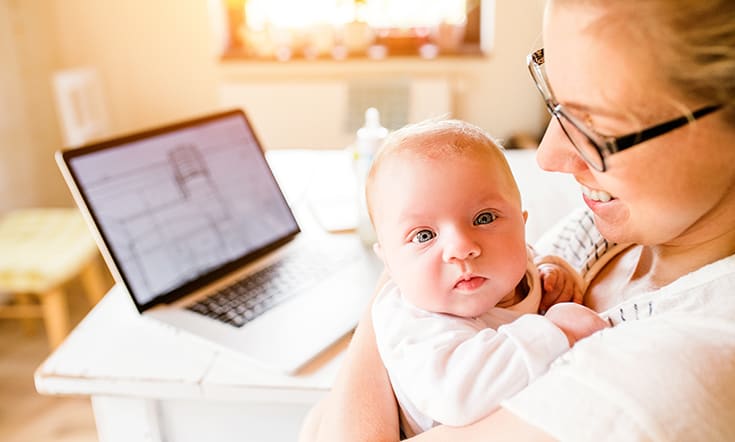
(450, 370)
(664, 372)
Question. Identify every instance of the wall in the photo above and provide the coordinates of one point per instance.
(155, 58)
(14, 133)
(499, 95)
(157, 64)
(28, 130)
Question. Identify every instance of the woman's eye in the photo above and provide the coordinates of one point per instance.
(484, 218)
(423, 236)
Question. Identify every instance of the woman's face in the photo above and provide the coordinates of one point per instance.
(677, 189)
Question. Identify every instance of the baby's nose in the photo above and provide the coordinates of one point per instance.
(461, 246)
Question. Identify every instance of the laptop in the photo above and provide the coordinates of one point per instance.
(195, 228)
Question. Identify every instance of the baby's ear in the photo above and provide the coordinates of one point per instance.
(378, 251)
(525, 216)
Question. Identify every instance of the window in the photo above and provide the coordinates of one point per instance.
(344, 29)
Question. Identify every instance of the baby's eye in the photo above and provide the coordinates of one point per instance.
(484, 218)
(423, 236)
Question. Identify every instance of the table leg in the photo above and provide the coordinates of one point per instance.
(123, 419)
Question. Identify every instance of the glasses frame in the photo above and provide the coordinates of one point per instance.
(604, 144)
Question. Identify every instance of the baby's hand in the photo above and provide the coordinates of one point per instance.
(576, 321)
(557, 285)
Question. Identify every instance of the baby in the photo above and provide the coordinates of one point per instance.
(456, 324)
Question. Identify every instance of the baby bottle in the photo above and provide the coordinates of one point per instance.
(369, 139)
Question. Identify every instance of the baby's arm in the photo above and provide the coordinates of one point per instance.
(456, 371)
(559, 282)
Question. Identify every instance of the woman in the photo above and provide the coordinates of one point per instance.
(660, 76)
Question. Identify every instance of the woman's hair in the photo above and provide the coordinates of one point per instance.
(436, 138)
(692, 40)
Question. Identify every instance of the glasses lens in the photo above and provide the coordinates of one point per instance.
(581, 142)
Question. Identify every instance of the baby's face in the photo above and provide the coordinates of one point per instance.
(451, 231)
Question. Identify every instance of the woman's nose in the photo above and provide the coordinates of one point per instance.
(460, 246)
(556, 153)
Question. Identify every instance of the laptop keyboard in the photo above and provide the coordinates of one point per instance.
(255, 294)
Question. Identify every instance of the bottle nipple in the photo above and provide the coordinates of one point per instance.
(371, 135)
(372, 117)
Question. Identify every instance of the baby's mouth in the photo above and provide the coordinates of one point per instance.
(469, 283)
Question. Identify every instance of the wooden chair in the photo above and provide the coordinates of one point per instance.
(40, 251)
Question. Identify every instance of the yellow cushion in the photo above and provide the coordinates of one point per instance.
(40, 248)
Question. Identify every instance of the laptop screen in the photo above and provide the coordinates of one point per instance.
(180, 206)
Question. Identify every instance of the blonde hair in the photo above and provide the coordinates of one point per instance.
(436, 139)
(693, 42)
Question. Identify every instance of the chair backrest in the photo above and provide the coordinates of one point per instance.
(81, 105)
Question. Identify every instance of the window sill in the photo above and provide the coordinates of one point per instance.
(236, 67)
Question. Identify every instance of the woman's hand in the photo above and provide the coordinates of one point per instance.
(576, 321)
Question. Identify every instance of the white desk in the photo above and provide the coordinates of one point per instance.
(149, 382)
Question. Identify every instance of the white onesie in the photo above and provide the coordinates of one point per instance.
(450, 370)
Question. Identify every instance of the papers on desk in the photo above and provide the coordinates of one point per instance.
(336, 214)
(321, 181)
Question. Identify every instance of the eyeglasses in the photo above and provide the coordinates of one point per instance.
(592, 146)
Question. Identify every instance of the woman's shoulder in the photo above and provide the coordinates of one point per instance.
(704, 295)
(668, 377)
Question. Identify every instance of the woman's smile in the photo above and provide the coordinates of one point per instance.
(596, 194)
